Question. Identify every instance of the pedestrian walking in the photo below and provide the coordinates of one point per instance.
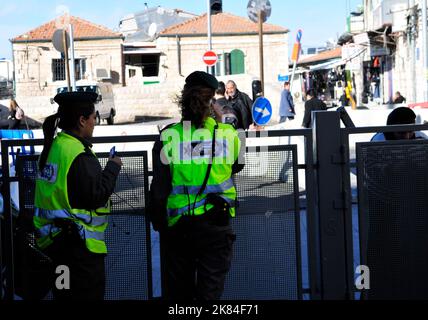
(286, 106)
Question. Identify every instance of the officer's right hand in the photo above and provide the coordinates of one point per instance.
(116, 160)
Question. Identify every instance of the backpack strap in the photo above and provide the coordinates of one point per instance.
(207, 175)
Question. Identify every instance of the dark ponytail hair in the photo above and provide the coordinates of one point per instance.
(195, 104)
(67, 118)
(49, 129)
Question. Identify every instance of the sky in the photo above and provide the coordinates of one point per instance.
(319, 20)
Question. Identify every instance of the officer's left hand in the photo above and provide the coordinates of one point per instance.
(116, 160)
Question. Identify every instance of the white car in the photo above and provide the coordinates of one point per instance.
(104, 106)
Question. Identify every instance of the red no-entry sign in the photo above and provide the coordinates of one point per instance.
(210, 58)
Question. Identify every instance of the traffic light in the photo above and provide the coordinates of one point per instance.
(257, 89)
(216, 6)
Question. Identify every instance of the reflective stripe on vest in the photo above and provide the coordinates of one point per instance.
(184, 146)
(48, 229)
(181, 211)
(65, 214)
(220, 188)
(94, 239)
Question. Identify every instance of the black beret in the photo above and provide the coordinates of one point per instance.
(200, 78)
(401, 115)
(76, 98)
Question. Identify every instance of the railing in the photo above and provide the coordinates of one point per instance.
(281, 173)
(293, 179)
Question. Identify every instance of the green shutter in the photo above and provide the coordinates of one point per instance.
(237, 62)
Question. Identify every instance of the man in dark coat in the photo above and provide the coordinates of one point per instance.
(312, 104)
(241, 103)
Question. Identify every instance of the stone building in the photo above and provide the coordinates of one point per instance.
(178, 50)
(148, 74)
(40, 68)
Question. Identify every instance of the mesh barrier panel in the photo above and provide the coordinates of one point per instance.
(128, 264)
(264, 265)
(392, 186)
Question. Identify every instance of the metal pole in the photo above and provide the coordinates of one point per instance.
(296, 58)
(7, 67)
(67, 67)
(210, 45)
(13, 72)
(292, 74)
(178, 54)
(72, 66)
(335, 272)
(122, 57)
(412, 48)
(262, 76)
(8, 230)
(425, 48)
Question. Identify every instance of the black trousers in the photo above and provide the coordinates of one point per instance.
(87, 270)
(196, 258)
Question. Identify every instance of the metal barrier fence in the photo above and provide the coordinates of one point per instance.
(369, 211)
(128, 237)
(393, 219)
(267, 226)
(268, 259)
(384, 210)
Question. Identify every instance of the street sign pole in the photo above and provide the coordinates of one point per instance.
(258, 12)
(292, 75)
(210, 45)
(67, 67)
(262, 73)
(295, 56)
(72, 66)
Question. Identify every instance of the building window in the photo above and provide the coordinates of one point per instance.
(58, 69)
(149, 63)
(237, 65)
(230, 63)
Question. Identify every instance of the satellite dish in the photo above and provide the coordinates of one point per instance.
(58, 40)
(152, 29)
(256, 6)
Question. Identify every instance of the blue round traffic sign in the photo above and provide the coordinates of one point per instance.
(299, 36)
(262, 111)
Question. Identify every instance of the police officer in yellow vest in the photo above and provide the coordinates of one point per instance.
(72, 197)
(193, 197)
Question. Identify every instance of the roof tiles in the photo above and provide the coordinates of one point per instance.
(221, 23)
(82, 30)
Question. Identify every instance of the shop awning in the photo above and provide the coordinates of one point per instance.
(327, 65)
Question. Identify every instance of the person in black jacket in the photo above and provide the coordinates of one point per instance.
(241, 103)
(189, 204)
(398, 98)
(71, 178)
(15, 115)
(312, 104)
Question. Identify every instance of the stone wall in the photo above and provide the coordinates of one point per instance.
(34, 76)
(136, 99)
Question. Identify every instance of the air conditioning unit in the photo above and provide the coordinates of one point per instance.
(103, 74)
